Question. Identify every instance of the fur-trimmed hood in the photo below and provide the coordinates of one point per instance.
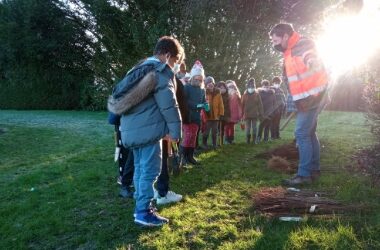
(266, 90)
(135, 96)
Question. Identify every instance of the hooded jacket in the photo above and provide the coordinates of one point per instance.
(235, 108)
(195, 95)
(148, 107)
(214, 98)
(251, 105)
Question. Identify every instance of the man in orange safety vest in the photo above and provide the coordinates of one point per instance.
(307, 82)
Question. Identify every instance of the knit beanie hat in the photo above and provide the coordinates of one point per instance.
(209, 79)
(197, 70)
(251, 83)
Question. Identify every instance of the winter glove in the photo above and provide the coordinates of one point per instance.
(200, 106)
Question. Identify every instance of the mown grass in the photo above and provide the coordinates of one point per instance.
(58, 190)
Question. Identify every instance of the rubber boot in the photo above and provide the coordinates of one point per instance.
(258, 139)
(204, 142)
(214, 145)
(226, 140)
(191, 158)
(185, 156)
(248, 139)
(232, 138)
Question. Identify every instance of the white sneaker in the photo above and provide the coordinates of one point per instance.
(170, 197)
(118, 181)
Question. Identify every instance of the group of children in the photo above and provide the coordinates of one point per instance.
(218, 107)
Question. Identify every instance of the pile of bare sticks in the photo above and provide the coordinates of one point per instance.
(281, 202)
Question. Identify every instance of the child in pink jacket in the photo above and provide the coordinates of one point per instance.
(234, 97)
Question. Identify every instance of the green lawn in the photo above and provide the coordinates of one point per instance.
(58, 191)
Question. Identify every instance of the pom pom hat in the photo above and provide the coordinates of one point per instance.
(197, 70)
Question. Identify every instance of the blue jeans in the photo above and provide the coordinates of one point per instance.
(308, 143)
(147, 168)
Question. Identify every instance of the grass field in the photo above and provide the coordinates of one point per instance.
(58, 191)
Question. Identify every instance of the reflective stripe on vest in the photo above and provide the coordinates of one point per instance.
(310, 92)
(299, 77)
(302, 81)
(307, 83)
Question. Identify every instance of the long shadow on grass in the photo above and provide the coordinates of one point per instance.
(236, 162)
(220, 169)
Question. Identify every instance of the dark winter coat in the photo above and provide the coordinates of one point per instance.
(194, 95)
(182, 100)
(269, 101)
(280, 98)
(214, 98)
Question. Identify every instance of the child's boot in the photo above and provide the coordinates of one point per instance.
(191, 158)
(248, 139)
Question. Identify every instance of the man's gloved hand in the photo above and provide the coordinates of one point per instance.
(206, 107)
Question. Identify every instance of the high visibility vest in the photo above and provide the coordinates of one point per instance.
(302, 81)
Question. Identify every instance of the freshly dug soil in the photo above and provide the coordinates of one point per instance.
(286, 151)
(282, 165)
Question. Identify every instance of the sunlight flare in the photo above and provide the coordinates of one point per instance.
(349, 41)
